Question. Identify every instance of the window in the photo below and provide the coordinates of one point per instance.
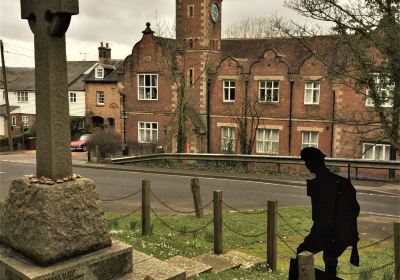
(309, 139)
(269, 91)
(25, 121)
(376, 151)
(148, 132)
(22, 96)
(99, 73)
(191, 76)
(100, 98)
(72, 97)
(267, 141)
(191, 11)
(384, 90)
(13, 120)
(148, 86)
(191, 43)
(229, 90)
(228, 139)
(312, 91)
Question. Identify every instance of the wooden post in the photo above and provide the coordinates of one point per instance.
(217, 195)
(271, 234)
(89, 158)
(306, 266)
(146, 207)
(198, 204)
(396, 237)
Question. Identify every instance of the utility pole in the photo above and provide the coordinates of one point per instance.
(84, 54)
(10, 141)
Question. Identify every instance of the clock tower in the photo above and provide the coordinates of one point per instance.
(198, 42)
(198, 24)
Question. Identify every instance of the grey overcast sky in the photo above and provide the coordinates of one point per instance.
(118, 22)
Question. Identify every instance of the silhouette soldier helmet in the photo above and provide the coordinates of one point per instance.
(311, 154)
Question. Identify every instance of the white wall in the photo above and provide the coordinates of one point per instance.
(77, 109)
(2, 128)
(25, 107)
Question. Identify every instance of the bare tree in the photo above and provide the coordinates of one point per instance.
(246, 113)
(260, 27)
(363, 53)
(176, 64)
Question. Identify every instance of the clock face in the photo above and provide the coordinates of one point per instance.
(214, 12)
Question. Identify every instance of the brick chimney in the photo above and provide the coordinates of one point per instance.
(104, 53)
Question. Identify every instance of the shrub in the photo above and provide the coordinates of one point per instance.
(137, 148)
(108, 141)
(31, 132)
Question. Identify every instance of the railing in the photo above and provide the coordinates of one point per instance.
(347, 166)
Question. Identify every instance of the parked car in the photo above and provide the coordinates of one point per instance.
(82, 143)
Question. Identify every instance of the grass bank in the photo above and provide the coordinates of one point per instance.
(166, 242)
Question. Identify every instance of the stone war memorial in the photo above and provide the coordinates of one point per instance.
(52, 226)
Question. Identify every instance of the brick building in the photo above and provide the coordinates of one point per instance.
(103, 99)
(295, 100)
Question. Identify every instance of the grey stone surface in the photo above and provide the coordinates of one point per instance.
(150, 268)
(49, 223)
(103, 264)
(191, 267)
(247, 261)
(49, 20)
(219, 263)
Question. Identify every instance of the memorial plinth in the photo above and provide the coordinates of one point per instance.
(104, 264)
(50, 223)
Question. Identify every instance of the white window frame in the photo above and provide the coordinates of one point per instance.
(149, 129)
(309, 144)
(230, 137)
(190, 7)
(374, 146)
(25, 121)
(269, 87)
(229, 85)
(144, 86)
(13, 121)
(313, 88)
(386, 92)
(264, 144)
(72, 97)
(99, 73)
(22, 96)
(100, 95)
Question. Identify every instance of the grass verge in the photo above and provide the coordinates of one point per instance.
(164, 242)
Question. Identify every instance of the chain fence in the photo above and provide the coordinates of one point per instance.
(125, 216)
(175, 210)
(246, 212)
(177, 230)
(243, 234)
(117, 199)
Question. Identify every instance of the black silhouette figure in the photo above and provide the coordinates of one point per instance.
(334, 213)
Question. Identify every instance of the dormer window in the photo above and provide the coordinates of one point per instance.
(99, 73)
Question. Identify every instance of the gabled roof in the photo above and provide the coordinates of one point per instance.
(111, 72)
(3, 110)
(25, 77)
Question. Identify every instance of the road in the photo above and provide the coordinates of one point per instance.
(175, 190)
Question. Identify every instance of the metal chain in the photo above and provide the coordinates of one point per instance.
(116, 199)
(293, 228)
(285, 243)
(248, 212)
(170, 208)
(174, 229)
(208, 204)
(124, 216)
(369, 270)
(243, 234)
(375, 243)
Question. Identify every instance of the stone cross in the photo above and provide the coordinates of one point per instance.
(49, 20)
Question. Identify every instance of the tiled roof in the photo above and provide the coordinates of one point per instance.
(26, 76)
(112, 70)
